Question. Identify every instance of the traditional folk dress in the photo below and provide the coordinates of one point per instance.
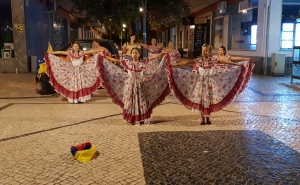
(127, 55)
(172, 56)
(105, 52)
(136, 93)
(228, 57)
(153, 64)
(75, 80)
(210, 87)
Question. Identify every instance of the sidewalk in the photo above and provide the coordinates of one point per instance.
(254, 140)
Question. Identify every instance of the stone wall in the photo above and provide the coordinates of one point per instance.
(18, 20)
(8, 65)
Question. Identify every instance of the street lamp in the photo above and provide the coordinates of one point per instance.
(110, 30)
(123, 29)
(143, 9)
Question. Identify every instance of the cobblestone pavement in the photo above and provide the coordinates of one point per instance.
(262, 125)
(217, 157)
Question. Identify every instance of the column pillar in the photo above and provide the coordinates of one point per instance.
(19, 33)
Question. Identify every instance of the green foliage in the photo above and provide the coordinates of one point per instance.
(166, 12)
(114, 13)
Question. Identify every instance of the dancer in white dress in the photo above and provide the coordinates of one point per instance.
(210, 87)
(127, 47)
(136, 93)
(222, 55)
(153, 50)
(78, 79)
(97, 46)
(173, 54)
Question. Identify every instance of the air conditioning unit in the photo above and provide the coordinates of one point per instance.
(52, 6)
(222, 7)
(278, 64)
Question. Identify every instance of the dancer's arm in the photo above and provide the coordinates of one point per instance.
(183, 63)
(229, 62)
(240, 58)
(92, 51)
(124, 48)
(112, 59)
(58, 52)
(157, 56)
(144, 45)
(109, 53)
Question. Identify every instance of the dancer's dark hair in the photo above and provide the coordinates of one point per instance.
(139, 51)
(98, 41)
(76, 42)
(223, 48)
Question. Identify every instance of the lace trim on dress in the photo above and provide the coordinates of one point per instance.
(75, 55)
(130, 65)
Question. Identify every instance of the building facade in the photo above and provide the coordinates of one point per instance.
(28, 27)
(258, 29)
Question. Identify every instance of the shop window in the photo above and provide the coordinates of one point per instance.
(242, 26)
(287, 36)
(6, 30)
(217, 32)
(253, 34)
(289, 10)
(297, 36)
(173, 36)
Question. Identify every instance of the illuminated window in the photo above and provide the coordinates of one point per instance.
(242, 27)
(297, 36)
(253, 34)
(287, 35)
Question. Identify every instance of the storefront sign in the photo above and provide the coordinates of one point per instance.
(199, 38)
(19, 27)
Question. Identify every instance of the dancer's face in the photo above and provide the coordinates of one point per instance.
(221, 51)
(205, 52)
(135, 54)
(132, 38)
(170, 44)
(75, 47)
(153, 41)
(95, 44)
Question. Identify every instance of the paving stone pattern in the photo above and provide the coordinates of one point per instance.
(217, 157)
(254, 140)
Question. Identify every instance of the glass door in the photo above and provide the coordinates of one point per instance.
(296, 52)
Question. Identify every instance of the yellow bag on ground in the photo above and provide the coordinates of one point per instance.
(84, 152)
(85, 156)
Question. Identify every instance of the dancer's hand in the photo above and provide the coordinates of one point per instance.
(247, 59)
(239, 64)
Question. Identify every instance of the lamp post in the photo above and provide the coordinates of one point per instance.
(110, 30)
(143, 9)
(121, 39)
(123, 29)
